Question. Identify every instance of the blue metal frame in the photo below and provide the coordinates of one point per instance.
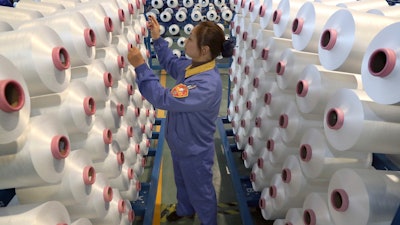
(240, 183)
(144, 206)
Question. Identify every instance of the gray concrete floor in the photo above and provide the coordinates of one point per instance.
(228, 206)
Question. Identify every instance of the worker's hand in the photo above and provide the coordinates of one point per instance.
(154, 27)
(135, 58)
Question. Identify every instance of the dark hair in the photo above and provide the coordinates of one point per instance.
(210, 34)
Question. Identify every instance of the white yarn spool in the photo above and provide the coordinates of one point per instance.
(266, 206)
(315, 209)
(268, 169)
(123, 134)
(266, 12)
(122, 44)
(265, 124)
(283, 16)
(296, 184)
(75, 185)
(70, 28)
(121, 92)
(188, 28)
(203, 3)
(319, 160)
(340, 48)
(380, 67)
(316, 85)
(177, 52)
(252, 150)
(294, 216)
(46, 213)
(275, 100)
(259, 42)
(98, 203)
(279, 198)
(139, 165)
(45, 8)
(131, 153)
(196, 15)
(74, 108)
(389, 11)
(82, 221)
(172, 3)
(132, 193)
(257, 179)
(51, 71)
(181, 15)
(308, 23)
(137, 98)
(111, 166)
(113, 11)
(15, 17)
(272, 51)
(188, 3)
(372, 126)
(366, 5)
(249, 34)
(277, 149)
(166, 15)
(115, 62)
(112, 114)
(292, 123)
(363, 196)
(41, 160)
(181, 42)
(226, 14)
(68, 4)
(212, 15)
(15, 107)
(96, 143)
(98, 20)
(158, 4)
(128, 9)
(173, 29)
(96, 78)
(121, 182)
(254, 10)
(279, 222)
(129, 215)
(116, 209)
(290, 62)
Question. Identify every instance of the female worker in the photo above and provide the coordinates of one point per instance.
(192, 109)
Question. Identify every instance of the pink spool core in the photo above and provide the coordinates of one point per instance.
(256, 82)
(89, 175)
(130, 173)
(248, 105)
(245, 35)
(138, 186)
(258, 121)
(143, 128)
(328, 39)
(130, 89)
(309, 217)
(247, 70)
(121, 15)
(144, 2)
(108, 24)
(280, 67)
(286, 175)
(107, 136)
(129, 131)
(121, 61)
(340, 200)
(120, 109)
(276, 17)
(262, 10)
(284, 121)
(272, 191)
(251, 6)
(108, 80)
(250, 140)
(137, 111)
(144, 162)
(143, 31)
(335, 118)
(288, 223)
(239, 60)
(60, 58)
(270, 145)
(90, 37)
(254, 43)
(130, 45)
(131, 9)
(238, 30)
(241, 91)
(121, 206)
(89, 106)
(120, 158)
(60, 147)
(305, 152)
(235, 2)
(108, 194)
(297, 25)
(137, 38)
(137, 148)
(243, 123)
(260, 163)
(261, 203)
(244, 155)
(131, 215)
(148, 143)
(12, 96)
(236, 108)
(243, 4)
(265, 53)
(138, 4)
(267, 98)
(382, 62)
(253, 177)
(302, 88)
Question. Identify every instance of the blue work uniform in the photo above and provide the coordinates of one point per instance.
(192, 109)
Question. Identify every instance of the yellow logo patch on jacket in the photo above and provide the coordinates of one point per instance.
(180, 91)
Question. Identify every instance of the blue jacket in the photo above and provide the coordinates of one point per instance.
(190, 124)
(6, 3)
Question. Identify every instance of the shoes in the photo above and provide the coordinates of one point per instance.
(175, 217)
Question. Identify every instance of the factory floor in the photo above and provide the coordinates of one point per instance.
(228, 209)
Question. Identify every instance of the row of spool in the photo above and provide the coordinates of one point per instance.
(314, 96)
(75, 130)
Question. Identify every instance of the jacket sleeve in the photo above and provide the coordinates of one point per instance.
(174, 66)
(200, 98)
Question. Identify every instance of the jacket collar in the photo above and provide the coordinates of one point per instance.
(198, 69)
